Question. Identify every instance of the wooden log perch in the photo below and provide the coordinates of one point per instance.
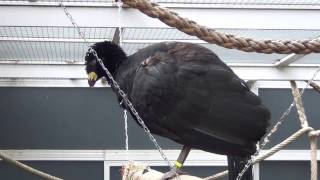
(139, 171)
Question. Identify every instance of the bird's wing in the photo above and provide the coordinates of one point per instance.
(189, 92)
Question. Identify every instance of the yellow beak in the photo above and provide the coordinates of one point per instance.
(92, 78)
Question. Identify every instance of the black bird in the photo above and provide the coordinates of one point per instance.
(184, 92)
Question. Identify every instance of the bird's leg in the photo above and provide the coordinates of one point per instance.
(176, 170)
(182, 157)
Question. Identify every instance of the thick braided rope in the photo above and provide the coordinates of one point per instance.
(283, 144)
(299, 104)
(225, 40)
(315, 86)
(313, 135)
(217, 176)
(27, 168)
(314, 162)
(304, 122)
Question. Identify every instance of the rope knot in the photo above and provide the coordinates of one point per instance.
(314, 133)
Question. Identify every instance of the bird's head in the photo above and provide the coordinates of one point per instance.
(111, 55)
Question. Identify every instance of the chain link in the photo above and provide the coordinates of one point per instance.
(116, 87)
(275, 128)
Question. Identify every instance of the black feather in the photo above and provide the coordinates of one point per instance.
(186, 93)
(236, 165)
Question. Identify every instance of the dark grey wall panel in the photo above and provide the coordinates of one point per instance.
(278, 100)
(66, 170)
(199, 171)
(85, 118)
(66, 118)
(280, 170)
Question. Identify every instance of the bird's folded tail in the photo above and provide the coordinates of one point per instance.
(235, 166)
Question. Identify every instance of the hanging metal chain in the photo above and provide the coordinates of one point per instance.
(116, 87)
(275, 128)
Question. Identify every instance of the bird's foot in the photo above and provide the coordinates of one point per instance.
(172, 174)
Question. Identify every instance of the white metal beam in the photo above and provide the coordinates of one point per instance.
(281, 84)
(19, 82)
(215, 18)
(222, 4)
(106, 170)
(34, 39)
(291, 58)
(74, 75)
(152, 41)
(266, 73)
(77, 71)
(256, 171)
(14, 82)
(149, 157)
(240, 5)
(91, 40)
(34, 71)
(118, 157)
(55, 3)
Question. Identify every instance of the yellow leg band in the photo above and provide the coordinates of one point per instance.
(178, 164)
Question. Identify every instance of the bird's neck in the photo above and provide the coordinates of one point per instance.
(116, 63)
